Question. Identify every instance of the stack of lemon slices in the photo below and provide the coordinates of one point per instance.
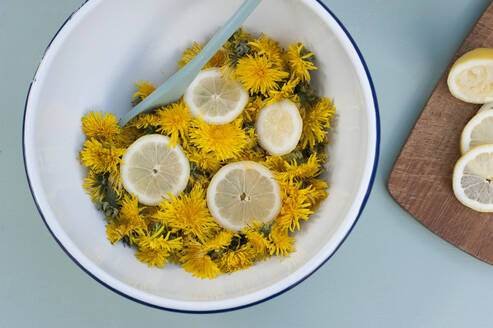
(471, 80)
(239, 192)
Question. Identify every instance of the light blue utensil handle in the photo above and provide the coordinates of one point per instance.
(172, 90)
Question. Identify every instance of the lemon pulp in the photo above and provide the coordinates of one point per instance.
(242, 192)
(151, 169)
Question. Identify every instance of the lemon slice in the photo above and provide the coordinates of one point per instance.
(486, 107)
(478, 131)
(279, 127)
(471, 77)
(472, 179)
(151, 170)
(242, 192)
(214, 98)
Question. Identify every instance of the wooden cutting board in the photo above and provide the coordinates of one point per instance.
(421, 179)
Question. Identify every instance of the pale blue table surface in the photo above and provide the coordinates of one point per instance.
(390, 272)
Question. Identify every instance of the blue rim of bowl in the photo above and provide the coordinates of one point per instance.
(363, 203)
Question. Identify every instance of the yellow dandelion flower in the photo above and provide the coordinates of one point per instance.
(275, 163)
(199, 180)
(112, 232)
(199, 264)
(174, 120)
(153, 257)
(92, 185)
(238, 121)
(148, 212)
(285, 92)
(300, 62)
(219, 241)
(204, 161)
(295, 205)
(260, 244)
(101, 157)
(128, 220)
(252, 138)
(250, 155)
(257, 226)
(252, 152)
(188, 213)
(267, 47)
(316, 197)
(157, 241)
(225, 141)
(318, 184)
(104, 128)
(318, 192)
(311, 168)
(174, 258)
(116, 183)
(258, 74)
(316, 121)
(282, 244)
(164, 243)
(130, 210)
(322, 156)
(144, 120)
(127, 136)
(236, 260)
(189, 54)
(253, 107)
(145, 89)
(218, 60)
(241, 35)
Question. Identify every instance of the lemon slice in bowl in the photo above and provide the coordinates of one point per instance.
(478, 131)
(473, 178)
(471, 77)
(279, 127)
(214, 98)
(151, 169)
(242, 192)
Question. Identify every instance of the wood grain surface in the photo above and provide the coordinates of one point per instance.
(421, 179)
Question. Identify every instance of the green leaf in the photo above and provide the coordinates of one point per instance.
(265, 229)
(109, 203)
(306, 94)
(296, 156)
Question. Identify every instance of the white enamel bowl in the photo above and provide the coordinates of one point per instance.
(92, 63)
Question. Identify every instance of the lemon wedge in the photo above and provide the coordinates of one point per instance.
(214, 98)
(279, 127)
(471, 77)
(151, 170)
(473, 178)
(242, 192)
(478, 131)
